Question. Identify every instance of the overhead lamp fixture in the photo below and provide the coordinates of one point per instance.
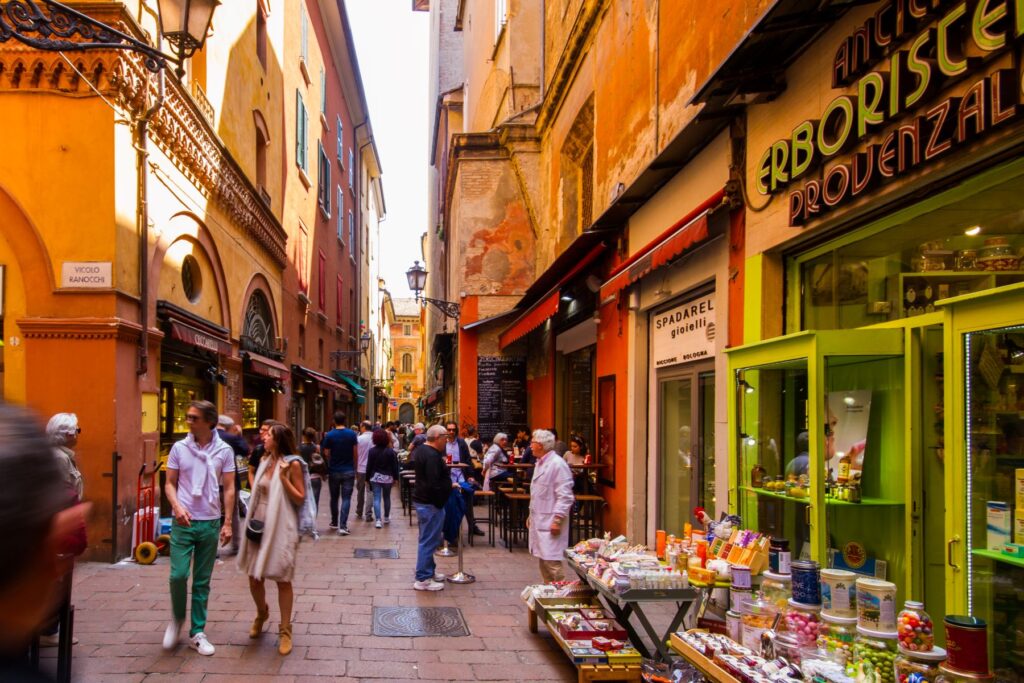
(566, 297)
(747, 386)
(973, 231)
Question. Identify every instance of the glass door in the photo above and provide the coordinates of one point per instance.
(685, 446)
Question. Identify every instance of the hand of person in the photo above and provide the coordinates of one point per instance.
(529, 521)
(182, 516)
(225, 533)
(282, 469)
(556, 527)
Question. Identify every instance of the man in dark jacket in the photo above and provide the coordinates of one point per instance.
(429, 495)
(456, 447)
(238, 445)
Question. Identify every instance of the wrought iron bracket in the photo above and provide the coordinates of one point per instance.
(65, 29)
(449, 309)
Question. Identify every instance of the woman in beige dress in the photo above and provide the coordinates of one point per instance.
(278, 491)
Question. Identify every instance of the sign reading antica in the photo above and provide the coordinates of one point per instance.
(894, 64)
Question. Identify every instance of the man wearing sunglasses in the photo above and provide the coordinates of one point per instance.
(197, 468)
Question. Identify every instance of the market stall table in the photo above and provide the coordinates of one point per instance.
(624, 605)
(711, 671)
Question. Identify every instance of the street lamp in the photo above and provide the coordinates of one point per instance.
(417, 276)
(184, 23)
(392, 373)
(364, 344)
(364, 341)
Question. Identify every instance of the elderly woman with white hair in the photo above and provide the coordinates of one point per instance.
(63, 431)
(495, 457)
(551, 501)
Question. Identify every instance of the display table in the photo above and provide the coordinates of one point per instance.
(711, 671)
(629, 603)
(587, 673)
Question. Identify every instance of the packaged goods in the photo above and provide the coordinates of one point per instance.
(838, 593)
(738, 596)
(876, 605)
(1018, 479)
(997, 524)
(740, 576)
(915, 628)
(734, 625)
(803, 621)
(758, 616)
(874, 654)
(918, 667)
(966, 645)
(837, 635)
(776, 589)
(806, 582)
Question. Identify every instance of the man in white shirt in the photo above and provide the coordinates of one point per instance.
(197, 468)
(364, 443)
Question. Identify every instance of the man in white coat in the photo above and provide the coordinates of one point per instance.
(551, 502)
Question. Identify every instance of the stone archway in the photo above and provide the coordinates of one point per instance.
(407, 413)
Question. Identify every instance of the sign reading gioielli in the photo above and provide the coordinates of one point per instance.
(950, 40)
(86, 274)
(684, 333)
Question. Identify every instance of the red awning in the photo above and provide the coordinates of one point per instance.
(530, 320)
(267, 367)
(324, 381)
(536, 315)
(685, 234)
(199, 339)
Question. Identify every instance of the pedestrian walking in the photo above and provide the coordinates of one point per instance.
(340, 449)
(551, 501)
(429, 496)
(364, 442)
(271, 541)
(310, 452)
(240, 449)
(197, 467)
(381, 471)
(41, 534)
(257, 451)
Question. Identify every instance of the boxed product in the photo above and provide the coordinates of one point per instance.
(997, 524)
(627, 655)
(1018, 526)
(581, 629)
(1019, 486)
(584, 653)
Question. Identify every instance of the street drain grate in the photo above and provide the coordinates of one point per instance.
(412, 622)
(376, 553)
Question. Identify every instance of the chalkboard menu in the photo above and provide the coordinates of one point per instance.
(580, 395)
(501, 395)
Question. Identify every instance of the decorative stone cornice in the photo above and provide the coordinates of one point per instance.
(80, 329)
(178, 128)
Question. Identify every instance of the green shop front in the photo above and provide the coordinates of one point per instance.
(876, 415)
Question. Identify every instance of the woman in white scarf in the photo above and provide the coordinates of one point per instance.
(278, 492)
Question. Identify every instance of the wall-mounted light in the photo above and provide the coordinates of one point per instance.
(747, 386)
(973, 231)
(748, 439)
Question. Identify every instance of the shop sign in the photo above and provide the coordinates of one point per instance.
(86, 275)
(200, 340)
(889, 67)
(684, 333)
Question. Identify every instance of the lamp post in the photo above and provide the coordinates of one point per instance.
(417, 276)
(183, 23)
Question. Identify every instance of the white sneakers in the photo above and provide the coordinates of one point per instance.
(343, 531)
(428, 585)
(173, 634)
(200, 644)
(378, 524)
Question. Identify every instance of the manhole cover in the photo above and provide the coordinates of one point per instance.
(410, 622)
(376, 553)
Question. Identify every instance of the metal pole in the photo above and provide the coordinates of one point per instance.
(461, 576)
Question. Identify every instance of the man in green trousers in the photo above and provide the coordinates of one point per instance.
(197, 468)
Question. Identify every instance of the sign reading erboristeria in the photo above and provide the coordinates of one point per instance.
(895, 63)
(684, 333)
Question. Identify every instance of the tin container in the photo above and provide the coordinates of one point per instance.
(778, 556)
(734, 626)
(876, 605)
(807, 583)
(740, 576)
(739, 597)
(966, 645)
(838, 593)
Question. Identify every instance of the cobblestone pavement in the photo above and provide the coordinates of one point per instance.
(121, 611)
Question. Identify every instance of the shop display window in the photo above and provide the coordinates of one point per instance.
(819, 446)
(250, 413)
(994, 469)
(966, 240)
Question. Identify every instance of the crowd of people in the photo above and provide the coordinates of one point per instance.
(255, 501)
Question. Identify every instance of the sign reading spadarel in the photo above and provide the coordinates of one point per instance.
(921, 47)
(684, 333)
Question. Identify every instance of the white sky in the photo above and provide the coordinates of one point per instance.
(393, 50)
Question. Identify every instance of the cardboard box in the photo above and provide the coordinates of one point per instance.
(1018, 526)
(1013, 550)
(997, 525)
(1019, 487)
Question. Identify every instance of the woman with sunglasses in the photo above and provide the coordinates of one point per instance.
(63, 431)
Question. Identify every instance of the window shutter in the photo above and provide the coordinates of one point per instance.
(321, 282)
(351, 168)
(341, 141)
(300, 137)
(323, 92)
(305, 31)
(341, 295)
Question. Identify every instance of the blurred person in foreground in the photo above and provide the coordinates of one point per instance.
(41, 533)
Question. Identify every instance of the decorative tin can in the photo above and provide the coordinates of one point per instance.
(966, 644)
(806, 582)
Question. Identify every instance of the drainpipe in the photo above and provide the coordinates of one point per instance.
(142, 220)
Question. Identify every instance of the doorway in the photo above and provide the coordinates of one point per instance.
(686, 447)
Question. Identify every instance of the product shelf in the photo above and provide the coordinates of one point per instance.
(711, 671)
(998, 557)
(865, 502)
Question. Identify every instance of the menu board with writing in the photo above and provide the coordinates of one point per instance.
(501, 395)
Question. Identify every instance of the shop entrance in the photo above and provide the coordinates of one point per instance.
(407, 413)
(686, 448)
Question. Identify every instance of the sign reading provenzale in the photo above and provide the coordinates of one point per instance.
(684, 333)
(940, 43)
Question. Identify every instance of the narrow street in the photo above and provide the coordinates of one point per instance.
(121, 612)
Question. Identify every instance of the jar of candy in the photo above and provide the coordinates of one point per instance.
(873, 655)
(803, 621)
(950, 675)
(923, 666)
(806, 582)
(776, 589)
(837, 635)
(915, 627)
(758, 616)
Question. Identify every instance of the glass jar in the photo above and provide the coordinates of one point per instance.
(788, 646)
(837, 635)
(778, 555)
(757, 617)
(873, 655)
(776, 589)
(915, 628)
(966, 259)
(997, 254)
(806, 582)
(924, 664)
(803, 621)
(949, 675)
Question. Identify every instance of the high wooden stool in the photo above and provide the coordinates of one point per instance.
(489, 496)
(588, 517)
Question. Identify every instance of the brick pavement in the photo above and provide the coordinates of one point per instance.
(121, 611)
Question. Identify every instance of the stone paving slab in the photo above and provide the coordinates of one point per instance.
(121, 611)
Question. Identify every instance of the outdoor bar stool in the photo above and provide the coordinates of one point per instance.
(408, 482)
(489, 496)
(588, 514)
(502, 509)
(518, 510)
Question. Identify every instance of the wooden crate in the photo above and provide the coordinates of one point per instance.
(609, 672)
